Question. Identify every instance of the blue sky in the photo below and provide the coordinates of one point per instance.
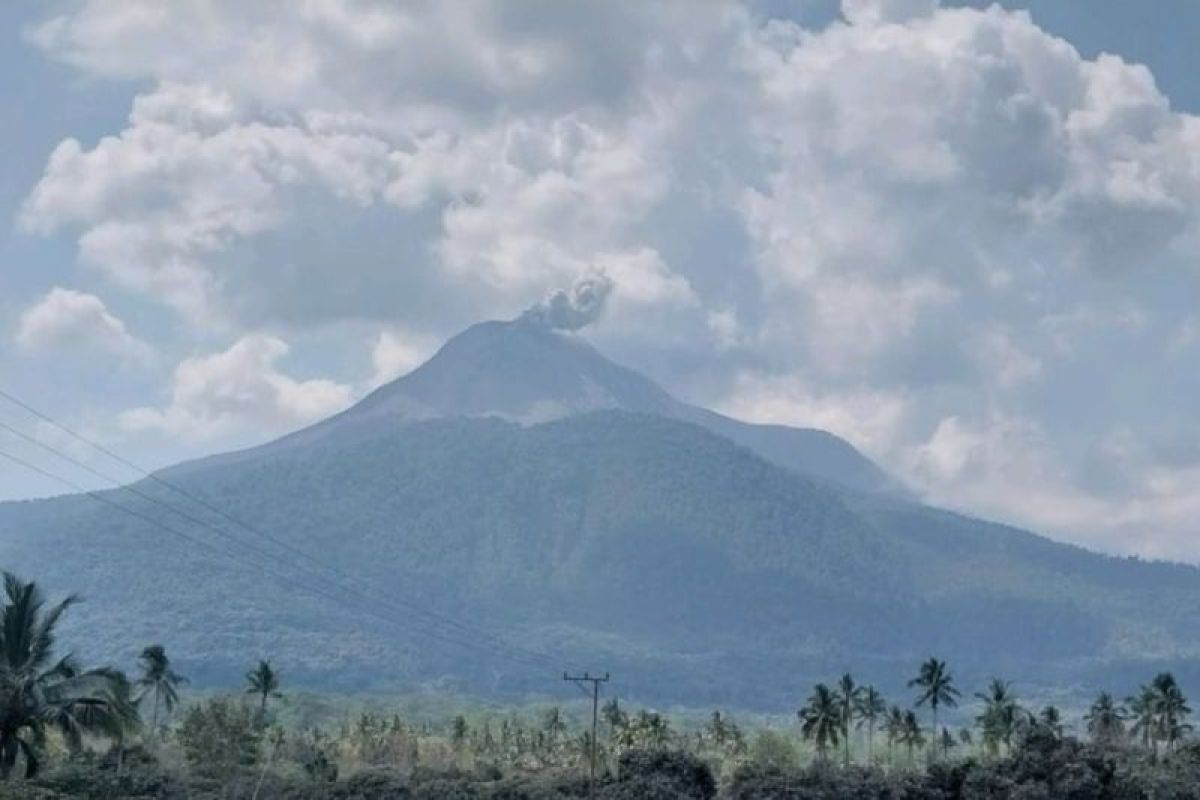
(963, 237)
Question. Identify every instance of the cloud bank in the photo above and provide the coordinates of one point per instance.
(941, 233)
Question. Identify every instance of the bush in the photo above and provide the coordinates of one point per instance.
(653, 771)
(220, 738)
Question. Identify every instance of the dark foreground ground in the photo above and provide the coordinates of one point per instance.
(1042, 765)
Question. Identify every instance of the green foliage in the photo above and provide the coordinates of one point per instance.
(220, 738)
(774, 750)
(562, 551)
(159, 682)
(39, 694)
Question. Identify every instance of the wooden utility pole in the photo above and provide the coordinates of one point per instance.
(580, 680)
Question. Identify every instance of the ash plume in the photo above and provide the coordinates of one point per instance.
(574, 308)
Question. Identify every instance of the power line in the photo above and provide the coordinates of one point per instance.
(100, 498)
(486, 639)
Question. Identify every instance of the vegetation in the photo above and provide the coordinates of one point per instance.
(66, 732)
(159, 682)
(263, 682)
(571, 536)
(40, 693)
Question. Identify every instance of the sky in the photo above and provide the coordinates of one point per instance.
(964, 237)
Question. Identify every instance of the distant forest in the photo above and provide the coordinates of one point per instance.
(70, 730)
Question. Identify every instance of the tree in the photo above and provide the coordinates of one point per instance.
(936, 686)
(871, 707)
(220, 738)
(160, 679)
(893, 730)
(1143, 709)
(821, 720)
(614, 716)
(459, 731)
(1171, 709)
(1051, 720)
(911, 735)
(848, 695)
(1001, 717)
(263, 681)
(553, 726)
(37, 693)
(724, 735)
(1106, 720)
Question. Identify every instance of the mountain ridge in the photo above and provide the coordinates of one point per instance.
(629, 538)
(562, 374)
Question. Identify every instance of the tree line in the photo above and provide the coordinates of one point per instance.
(1154, 717)
(53, 709)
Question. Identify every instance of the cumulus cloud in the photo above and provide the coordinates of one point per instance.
(65, 319)
(239, 389)
(940, 232)
(394, 354)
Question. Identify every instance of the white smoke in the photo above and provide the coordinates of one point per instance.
(573, 308)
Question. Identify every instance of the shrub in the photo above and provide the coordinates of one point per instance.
(655, 770)
(220, 738)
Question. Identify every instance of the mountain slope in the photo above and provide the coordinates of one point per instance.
(624, 531)
(643, 545)
(524, 372)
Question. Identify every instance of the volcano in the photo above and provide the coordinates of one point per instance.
(520, 504)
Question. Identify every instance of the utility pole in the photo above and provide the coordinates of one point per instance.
(580, 680)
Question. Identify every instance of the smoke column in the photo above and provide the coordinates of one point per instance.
(574, 308)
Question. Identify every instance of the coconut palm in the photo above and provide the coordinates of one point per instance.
(936, 686)
(848, 695)
(947, 740)
(893, 730)
(1051, 720)
(1171, 709)
(1106, 719)
(821, 720)
(38, 693)
(159, 679)
(1001, 717)
(614, 716)
(911, 735)
(263, 681)
(553, 726)
(871, 707)
(1143, 710)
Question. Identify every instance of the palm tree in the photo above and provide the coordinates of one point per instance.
(1171, 708)
(1105, 719)
(1051, 720)
(1143, 709)
(1002, 715)
(871, 707)
(821, 720)
(263, 681)
(911, 735)
(37, 692)
(937, 688)
(614, 716)
(893, 730)
(553, 726)
(947, 740)
(848, 695)
(159, 678)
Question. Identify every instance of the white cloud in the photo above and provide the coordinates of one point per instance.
(1003, 360)
(65, 319)
(237, 391)
(874, 12)
(930, 230)
(871, 420)
(394, 354)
